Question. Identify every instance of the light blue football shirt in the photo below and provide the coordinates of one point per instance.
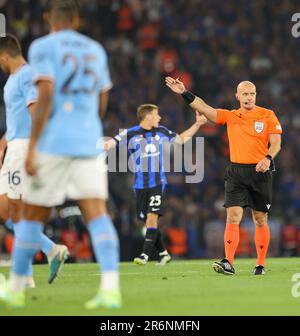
(19, 93)
(77, 65)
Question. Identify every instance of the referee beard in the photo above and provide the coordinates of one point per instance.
(254, 135)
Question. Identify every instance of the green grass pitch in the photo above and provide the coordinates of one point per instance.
(183, 287)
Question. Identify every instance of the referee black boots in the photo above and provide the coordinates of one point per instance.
(259, 270)
(223, 267)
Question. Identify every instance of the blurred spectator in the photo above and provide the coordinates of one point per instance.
(125, 19)
(176, 242)
(289, 236)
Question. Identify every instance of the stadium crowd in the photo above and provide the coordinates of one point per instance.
(211, 46)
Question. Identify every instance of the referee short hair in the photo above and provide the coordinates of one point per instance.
(10, 44)
(144, 109)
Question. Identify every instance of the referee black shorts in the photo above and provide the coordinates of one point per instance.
(150, 200)
(245, 187)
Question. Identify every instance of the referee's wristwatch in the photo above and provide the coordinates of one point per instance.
(269, 157)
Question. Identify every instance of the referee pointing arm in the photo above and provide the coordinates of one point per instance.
(254, 135)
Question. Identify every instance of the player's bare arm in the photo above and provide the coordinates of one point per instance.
(190, 132)
(275, 146)
(197, 104)
(42, 109)
(3, 145)
(31, 108)
(111, 143)
(40, 115)
(103, 101)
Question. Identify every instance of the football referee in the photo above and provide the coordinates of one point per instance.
(254, 135)
(145, 146)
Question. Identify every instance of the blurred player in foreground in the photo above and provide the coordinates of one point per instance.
(20, 98)
(72, 77)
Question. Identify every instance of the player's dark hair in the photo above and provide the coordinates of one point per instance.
(63, 10)
(144, 109)
(11, 45)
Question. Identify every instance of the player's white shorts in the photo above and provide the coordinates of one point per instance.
(13, 170)
(59, 178)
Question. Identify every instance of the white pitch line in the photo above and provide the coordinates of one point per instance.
(143, 274)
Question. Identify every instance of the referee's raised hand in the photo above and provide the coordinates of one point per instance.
(175, 85)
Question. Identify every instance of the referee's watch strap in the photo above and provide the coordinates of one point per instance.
(268, 156)
(272, 164)
(188, 96)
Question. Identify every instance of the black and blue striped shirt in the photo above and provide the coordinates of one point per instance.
(145, 148)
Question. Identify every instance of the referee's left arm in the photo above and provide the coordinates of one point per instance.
(275, 144)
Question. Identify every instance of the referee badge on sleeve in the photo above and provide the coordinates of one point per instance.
(258, 126)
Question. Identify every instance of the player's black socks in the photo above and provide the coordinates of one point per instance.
(150, 240)
(159, 242)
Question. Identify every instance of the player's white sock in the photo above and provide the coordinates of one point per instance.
(109, 280)
(17, 283)
(29, 282)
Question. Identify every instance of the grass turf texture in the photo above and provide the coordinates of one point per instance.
(179, 288)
